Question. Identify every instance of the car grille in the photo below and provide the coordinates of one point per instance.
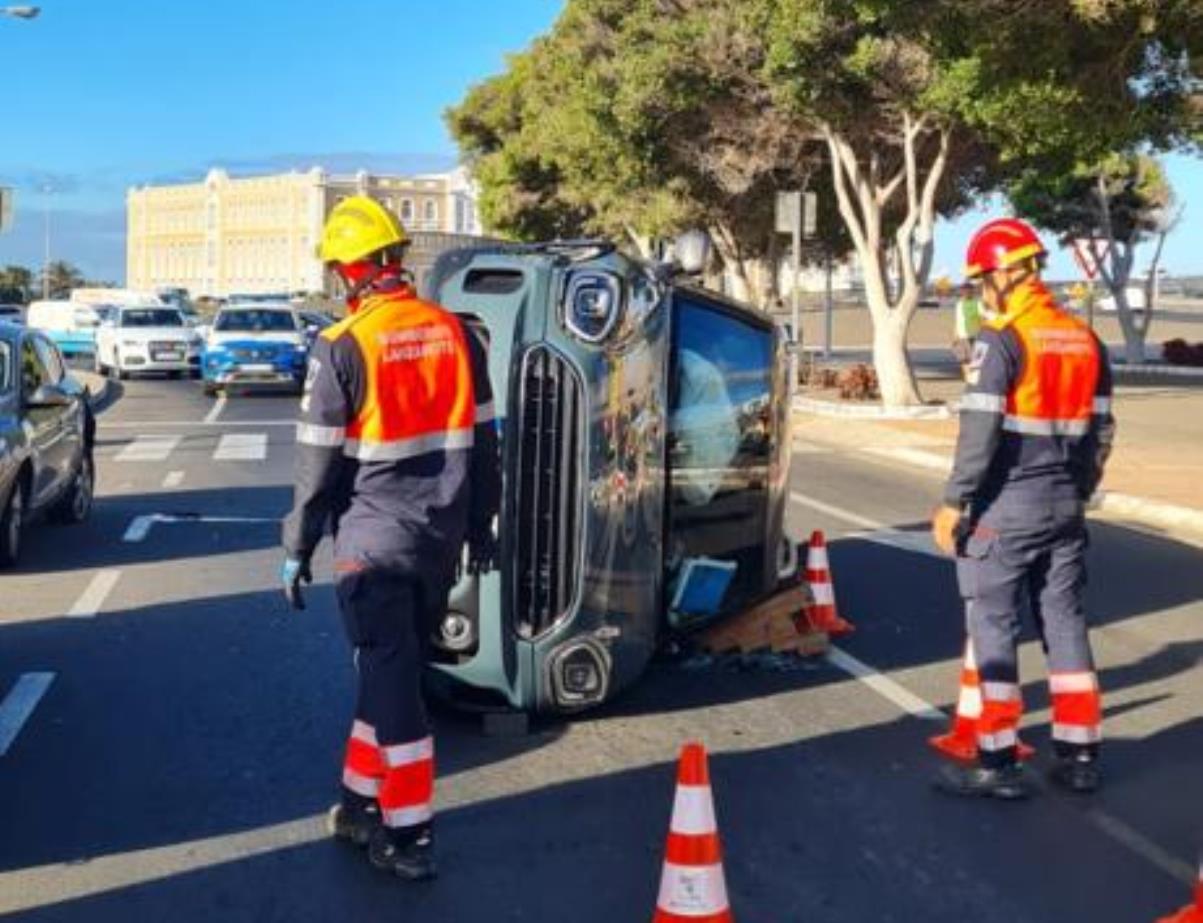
(547, 503)
(253, 355)
(166, 346)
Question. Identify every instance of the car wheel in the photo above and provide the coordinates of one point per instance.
(76, 504)
(12, 522)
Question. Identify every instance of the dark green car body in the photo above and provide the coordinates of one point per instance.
(644, 434)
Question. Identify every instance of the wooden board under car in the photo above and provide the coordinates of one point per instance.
(777, 624)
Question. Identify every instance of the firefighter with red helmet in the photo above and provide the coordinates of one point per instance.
(1035, 432)
(397, 452)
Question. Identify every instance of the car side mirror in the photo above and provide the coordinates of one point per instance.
(312, 330)
(48, 396)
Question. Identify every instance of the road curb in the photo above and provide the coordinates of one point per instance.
(870, 411)
(1170, 518)
(1121, 371)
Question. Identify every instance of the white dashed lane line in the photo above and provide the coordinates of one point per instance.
(215, 410)
(93, 597)
(19, 704)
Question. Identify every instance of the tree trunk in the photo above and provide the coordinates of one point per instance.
(892, 361)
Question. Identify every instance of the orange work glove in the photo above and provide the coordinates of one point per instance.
(944, 523)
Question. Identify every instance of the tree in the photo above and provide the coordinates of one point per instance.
(61, 277)
(638, 117)
(15, 284)
(1116, 204)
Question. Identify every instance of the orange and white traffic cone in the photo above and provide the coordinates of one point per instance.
(692, 886)
(1191, 913)
(960, 743)
(823, 614)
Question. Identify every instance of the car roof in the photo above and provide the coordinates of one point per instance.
(258, 306)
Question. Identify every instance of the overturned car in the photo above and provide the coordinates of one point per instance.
(645, 451)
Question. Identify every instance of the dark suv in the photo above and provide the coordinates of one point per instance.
(46, 435)
(645, 450)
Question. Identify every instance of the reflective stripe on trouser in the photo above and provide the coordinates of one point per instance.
(387, 615)
(1077, 708)
(1018, 553)
(363, 767)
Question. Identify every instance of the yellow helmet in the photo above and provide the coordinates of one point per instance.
(357, 227)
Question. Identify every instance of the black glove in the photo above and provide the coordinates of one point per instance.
(292, 573)
(482, 553)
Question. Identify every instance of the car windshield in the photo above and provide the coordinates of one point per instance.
(255, 321)
(6, 365)
(152, 317)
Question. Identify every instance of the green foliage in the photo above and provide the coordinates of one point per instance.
(1138, 198)
(16, 282)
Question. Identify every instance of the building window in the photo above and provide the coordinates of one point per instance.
(407, 210)
(432, 213)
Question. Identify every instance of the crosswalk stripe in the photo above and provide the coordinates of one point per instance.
(148, 449)
(241, 447)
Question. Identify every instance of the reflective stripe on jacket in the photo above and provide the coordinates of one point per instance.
(396, 441)
(1037, 412)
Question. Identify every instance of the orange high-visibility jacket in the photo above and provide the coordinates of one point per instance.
(1036, 415)
(397, 439)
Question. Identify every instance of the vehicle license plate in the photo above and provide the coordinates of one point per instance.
(260, 368)
(168, 356)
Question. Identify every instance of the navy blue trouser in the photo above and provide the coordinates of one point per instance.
(1018, 550)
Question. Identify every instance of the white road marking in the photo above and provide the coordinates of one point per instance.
(173, 479)
(140, 526)
(148, 449)
(241, 447)
(93, 597)
(215, 411)
(885, 687)
(1134, 841)
(19, 704)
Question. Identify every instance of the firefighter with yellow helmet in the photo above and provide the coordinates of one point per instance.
(397, 455)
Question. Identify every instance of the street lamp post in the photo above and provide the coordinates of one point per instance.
(20, 12)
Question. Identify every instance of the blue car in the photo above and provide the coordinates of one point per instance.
(255, 346)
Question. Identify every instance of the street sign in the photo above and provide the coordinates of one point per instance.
(797, 212)
(789, 212)
(6, 208)
(1088, 253)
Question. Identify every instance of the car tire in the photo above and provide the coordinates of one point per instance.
(12, 523)
(76, 504)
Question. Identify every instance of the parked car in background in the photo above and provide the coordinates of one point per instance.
(255, 345)
(12, 313)
(71, 325)
(146, 338)
(46, 436)
(645, 451)
(1136, 299)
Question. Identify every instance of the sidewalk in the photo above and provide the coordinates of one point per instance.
(1154, 477)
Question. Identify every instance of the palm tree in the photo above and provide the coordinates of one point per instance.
(61, 277)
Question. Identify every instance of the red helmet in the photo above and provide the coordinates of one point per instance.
(1000, 244)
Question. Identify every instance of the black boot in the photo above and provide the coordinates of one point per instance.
(1008, 783)
(353, 819)
(1078, 773)
(411, 858)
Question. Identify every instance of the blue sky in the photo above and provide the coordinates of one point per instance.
(104, 94)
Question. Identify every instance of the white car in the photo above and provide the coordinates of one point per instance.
(147, 338)
(1136, 300)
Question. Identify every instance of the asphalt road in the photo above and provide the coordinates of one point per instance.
(178, 761)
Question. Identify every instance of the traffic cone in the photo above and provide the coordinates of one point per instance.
(960, 743)
(692, 886)
(822, 613)
(1191, 913)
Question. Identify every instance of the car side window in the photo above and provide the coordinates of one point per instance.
(33, 376)
(52, 363)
